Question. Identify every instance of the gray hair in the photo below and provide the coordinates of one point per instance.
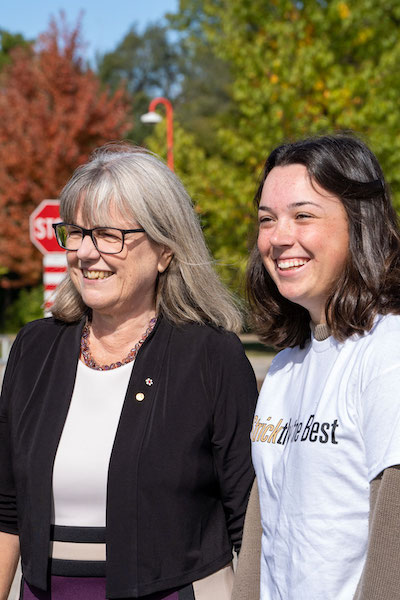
(143, 189)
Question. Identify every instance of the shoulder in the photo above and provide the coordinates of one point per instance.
(378, 350)
(42, 333)
(46, 327)
(382, 339)
(207, 338)
(212, 348)
(218, 360)
(284, 359)
(385, 325)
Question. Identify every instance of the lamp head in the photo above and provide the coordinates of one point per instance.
(151, 117)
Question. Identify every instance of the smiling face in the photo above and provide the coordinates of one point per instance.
(120, 285)
(303, 237)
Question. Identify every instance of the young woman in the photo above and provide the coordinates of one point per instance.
(324, 285)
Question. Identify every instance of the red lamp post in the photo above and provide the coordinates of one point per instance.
(153, 117)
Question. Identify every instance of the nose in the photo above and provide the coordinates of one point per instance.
(282, 233)
(87, 249)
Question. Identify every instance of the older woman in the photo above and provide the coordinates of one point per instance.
(124, 419)
(324, 284)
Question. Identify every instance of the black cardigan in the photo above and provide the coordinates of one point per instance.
(180, 469)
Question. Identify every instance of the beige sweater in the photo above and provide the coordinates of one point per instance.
(380, 579)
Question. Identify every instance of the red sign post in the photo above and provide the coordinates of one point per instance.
(42, 236)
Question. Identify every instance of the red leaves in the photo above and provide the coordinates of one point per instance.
(53, 113)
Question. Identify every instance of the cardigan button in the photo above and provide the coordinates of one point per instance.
(140, 397)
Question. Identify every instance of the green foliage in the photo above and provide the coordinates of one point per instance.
(27, 307)
(205, 100)
(181, 67)
(148, 64)
(221, 197)
(308, 68)
(9, 41)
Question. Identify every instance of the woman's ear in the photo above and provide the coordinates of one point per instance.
(165, 258)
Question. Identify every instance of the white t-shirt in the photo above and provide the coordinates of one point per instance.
(83, 454)
(327, 422)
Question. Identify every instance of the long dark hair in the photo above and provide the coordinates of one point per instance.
(370, 283)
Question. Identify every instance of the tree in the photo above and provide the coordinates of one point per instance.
(148, 65)
(181, 67)
(204, 100)
(53, 113)
(222, 198)
(9, 41)
(26, 307)
(296, 68)
(301, 68)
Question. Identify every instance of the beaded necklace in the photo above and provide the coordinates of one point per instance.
(89, 360)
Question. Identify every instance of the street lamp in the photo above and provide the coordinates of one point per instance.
(153, 117)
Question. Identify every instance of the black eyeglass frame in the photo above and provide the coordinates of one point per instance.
(89, 232)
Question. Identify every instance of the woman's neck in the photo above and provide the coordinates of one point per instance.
(111, 338)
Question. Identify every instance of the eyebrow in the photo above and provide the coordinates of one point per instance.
(291, 205)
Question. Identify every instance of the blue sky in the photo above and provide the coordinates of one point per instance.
(104, 22)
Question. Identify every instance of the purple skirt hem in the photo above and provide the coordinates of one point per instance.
(81, 588)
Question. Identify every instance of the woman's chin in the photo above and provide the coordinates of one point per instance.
(97, 303)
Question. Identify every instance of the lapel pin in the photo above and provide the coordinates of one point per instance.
(149, 381)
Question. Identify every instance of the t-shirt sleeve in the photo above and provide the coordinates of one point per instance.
(380, 403)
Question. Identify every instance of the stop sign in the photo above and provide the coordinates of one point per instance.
(40, 226)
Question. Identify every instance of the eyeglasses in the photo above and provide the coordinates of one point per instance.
(107, 240)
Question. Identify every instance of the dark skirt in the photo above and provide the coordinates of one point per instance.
(91, 588)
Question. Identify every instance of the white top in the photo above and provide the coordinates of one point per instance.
(83, 454)
(327, 422)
